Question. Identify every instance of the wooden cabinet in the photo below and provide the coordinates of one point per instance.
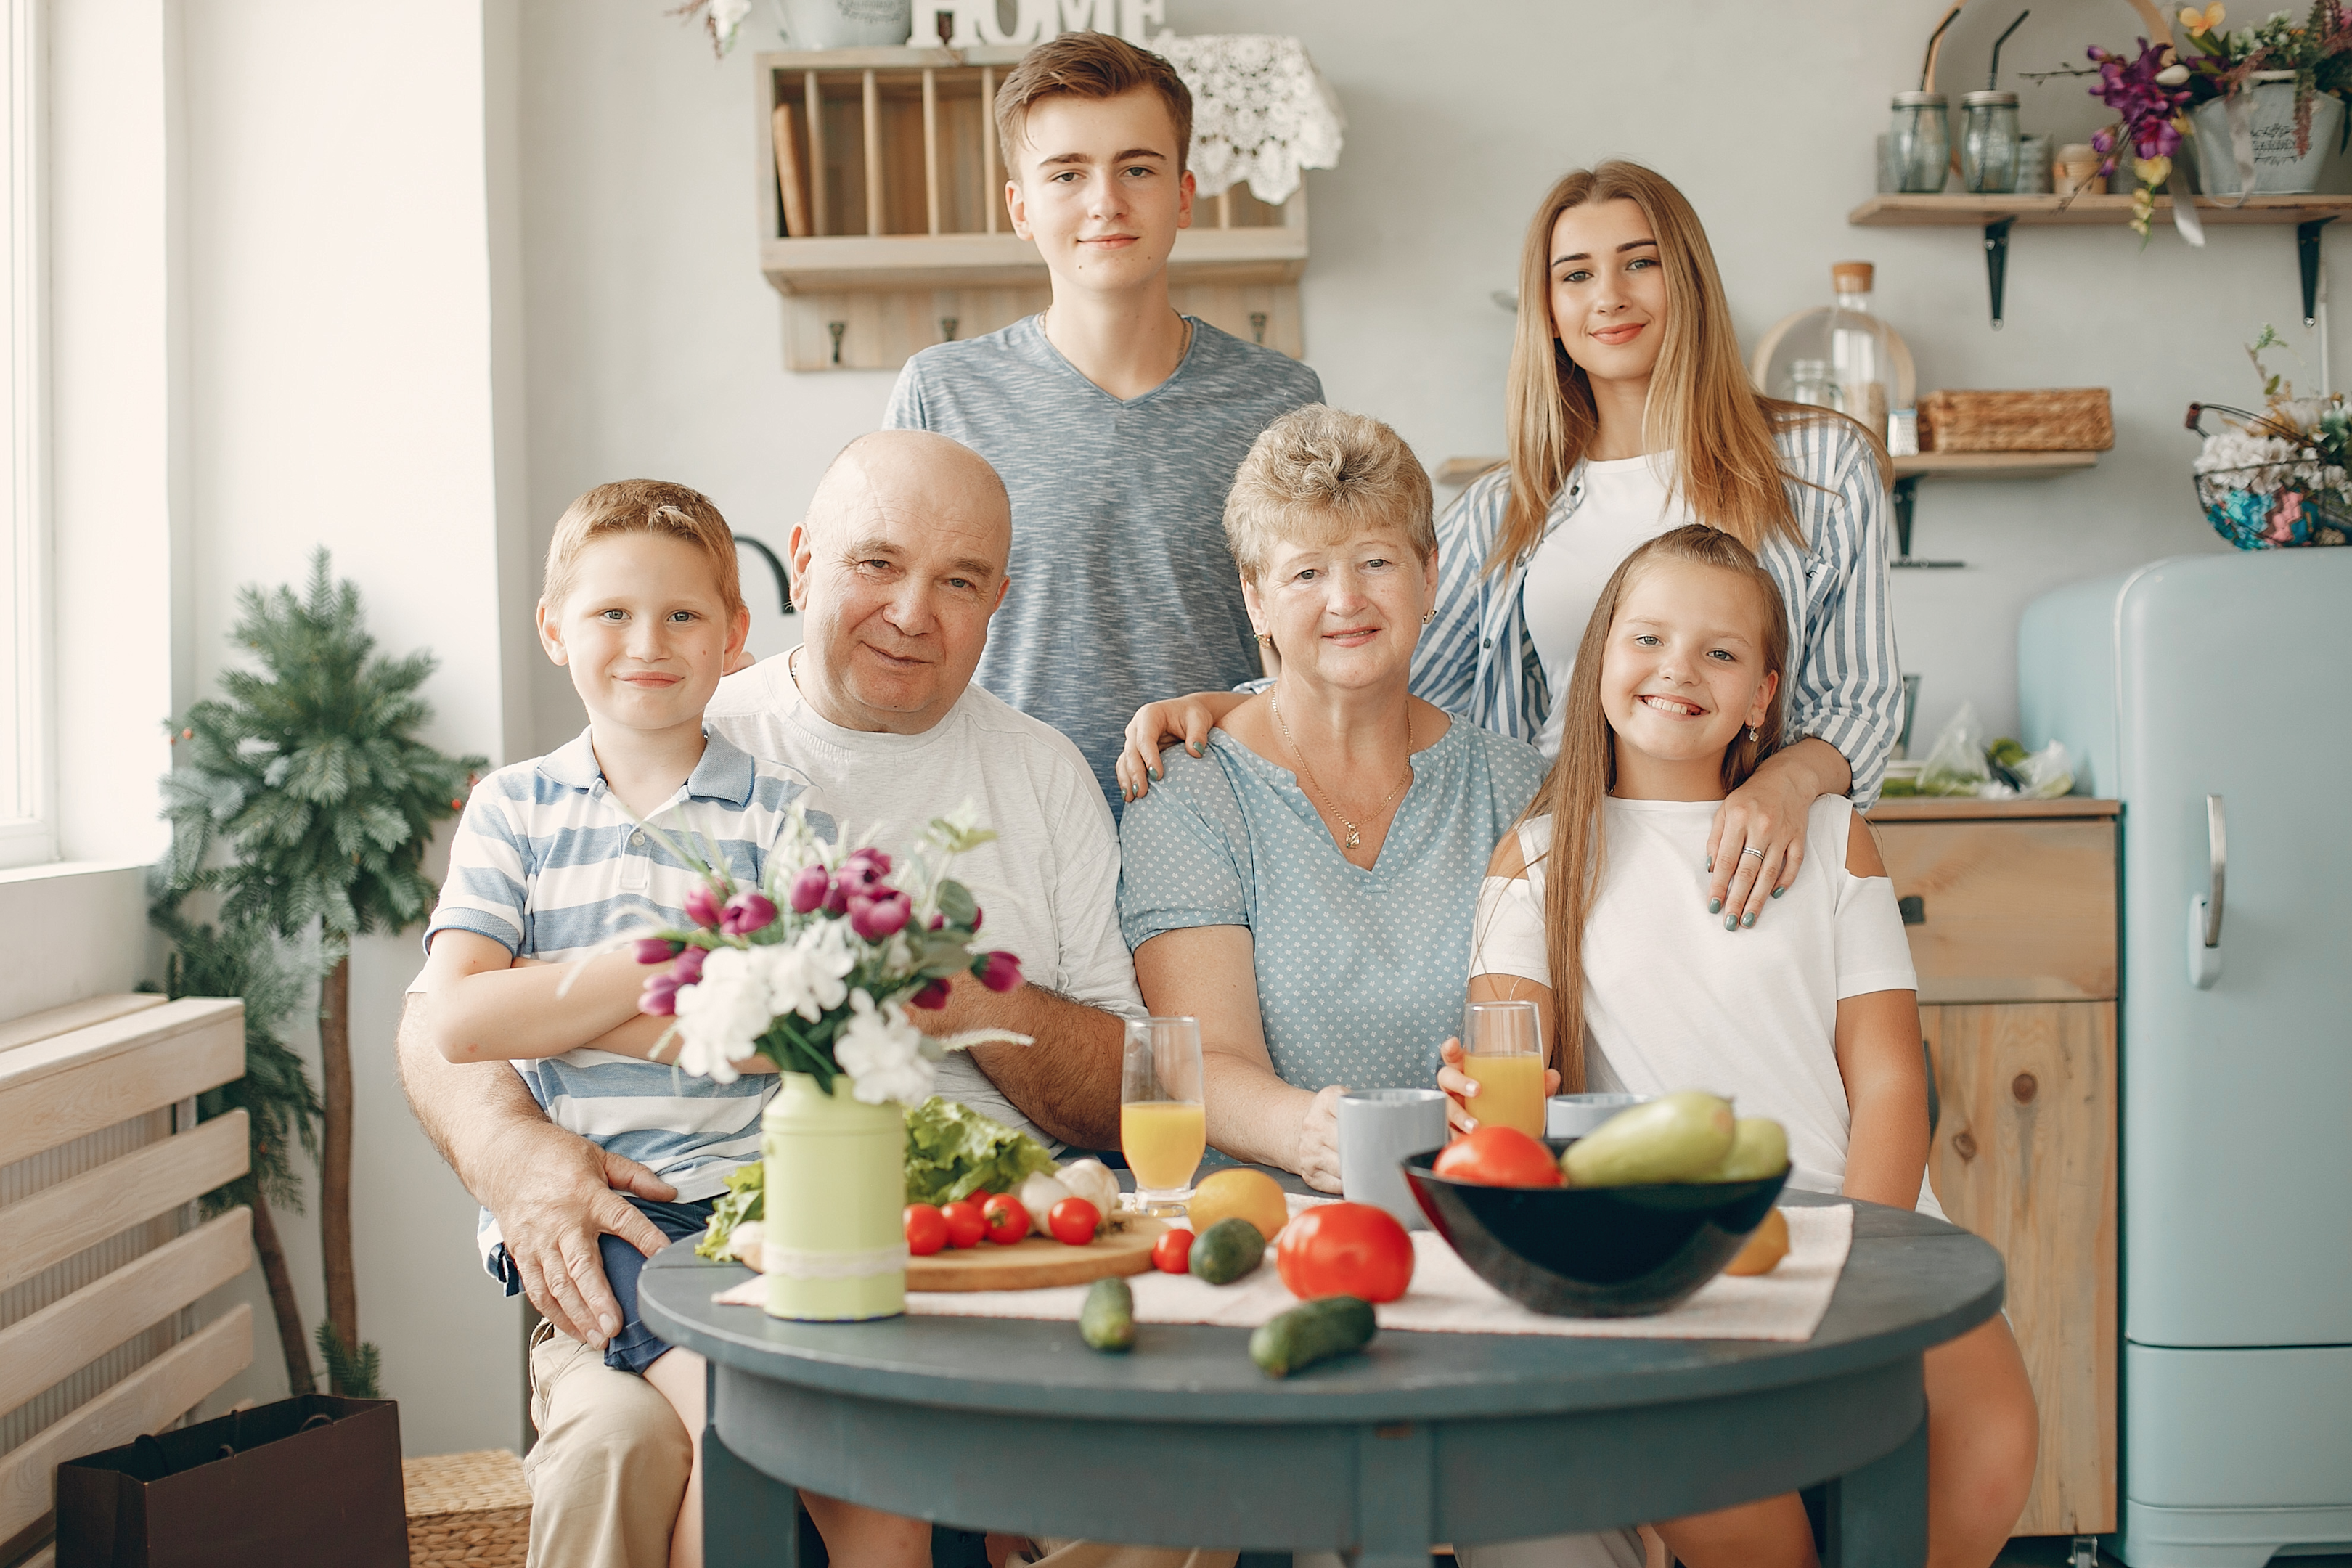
(2010, 909)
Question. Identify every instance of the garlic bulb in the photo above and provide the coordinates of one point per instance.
(1038, 1194)
(1091, 1180)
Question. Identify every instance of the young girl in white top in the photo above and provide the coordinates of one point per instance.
(1810, 1018)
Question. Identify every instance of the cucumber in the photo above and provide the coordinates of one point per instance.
(1760, 1148)
(1311, 1331)
(1226, 1250)
(1676, 1138)
(1106, 1322)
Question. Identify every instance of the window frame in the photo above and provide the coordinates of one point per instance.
(25, 532)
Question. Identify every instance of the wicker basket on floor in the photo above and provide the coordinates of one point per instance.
(470, 1508)
(2057, 419)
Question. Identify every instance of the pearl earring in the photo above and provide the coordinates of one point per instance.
(1265, 640)
(1752, 734)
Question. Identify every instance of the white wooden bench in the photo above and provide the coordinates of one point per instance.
(102, 1256)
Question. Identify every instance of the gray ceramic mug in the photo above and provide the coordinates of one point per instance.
(1574, 1115)
(1378, 1128)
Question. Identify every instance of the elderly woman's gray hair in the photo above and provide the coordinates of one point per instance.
(1319, 475)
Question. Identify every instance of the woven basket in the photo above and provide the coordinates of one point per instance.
(467, 1508)
(2061, 419)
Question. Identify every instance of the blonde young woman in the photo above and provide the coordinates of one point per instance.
(1630, 414)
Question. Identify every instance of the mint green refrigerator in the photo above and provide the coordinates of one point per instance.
(2212, 695)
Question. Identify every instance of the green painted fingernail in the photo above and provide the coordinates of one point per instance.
(1748, 920)
(1715, 906)
(1159, 776)
(1710, 862)
(1778, 891)
(1731, 922)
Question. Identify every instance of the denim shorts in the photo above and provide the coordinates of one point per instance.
(634, 1348)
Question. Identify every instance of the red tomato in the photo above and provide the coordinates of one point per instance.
(1500, 1157)
(1172, 1253)
(1073, 1221)
(967, 1223)
(1344, 1249)
(1008, 1222)
(927, 1229)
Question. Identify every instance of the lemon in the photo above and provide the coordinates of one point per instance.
(1240, 1194)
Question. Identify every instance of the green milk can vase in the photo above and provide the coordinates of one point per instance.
(836, 1247)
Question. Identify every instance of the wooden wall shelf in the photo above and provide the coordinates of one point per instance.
(883, 224)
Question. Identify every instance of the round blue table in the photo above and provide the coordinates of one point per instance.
(1016, 1427)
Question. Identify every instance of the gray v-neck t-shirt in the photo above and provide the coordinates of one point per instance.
(1123, 591)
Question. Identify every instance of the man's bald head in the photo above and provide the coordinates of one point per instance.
(896, 567)
(914, 474)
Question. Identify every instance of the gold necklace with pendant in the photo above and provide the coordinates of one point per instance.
(1354, 838)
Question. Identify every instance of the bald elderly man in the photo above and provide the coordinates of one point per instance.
(895, 571)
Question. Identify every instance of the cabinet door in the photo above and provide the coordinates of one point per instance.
(2024, 1155)
(2007, 911)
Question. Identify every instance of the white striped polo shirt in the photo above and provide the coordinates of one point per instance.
(549, 864)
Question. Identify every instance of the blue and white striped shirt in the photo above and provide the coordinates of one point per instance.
(1476, 659)
(549, 864)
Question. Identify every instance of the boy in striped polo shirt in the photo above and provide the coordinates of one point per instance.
(642, 605)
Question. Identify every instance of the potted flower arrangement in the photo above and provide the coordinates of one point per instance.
(2268, 99)
(815, 970)
(2282, 477)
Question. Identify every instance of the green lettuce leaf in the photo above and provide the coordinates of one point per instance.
(954, 1151)
(745, 1199)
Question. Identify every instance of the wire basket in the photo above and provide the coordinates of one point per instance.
(2286, 504)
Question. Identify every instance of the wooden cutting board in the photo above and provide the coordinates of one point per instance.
(1037, 1262)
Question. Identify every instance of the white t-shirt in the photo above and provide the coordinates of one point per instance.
(1673, 1001)
(1626, 504)
(1048, 886)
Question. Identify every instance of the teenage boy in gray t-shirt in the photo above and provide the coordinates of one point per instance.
(1116, 423)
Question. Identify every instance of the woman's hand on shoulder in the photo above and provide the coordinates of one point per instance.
(1158, 725)
(1757, 845)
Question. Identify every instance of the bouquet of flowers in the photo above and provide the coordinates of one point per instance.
(2282, 477)
(2318, 50)
(2148, 93)
(817, 967)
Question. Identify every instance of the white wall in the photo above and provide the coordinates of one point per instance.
(656, 347)
(340, 280)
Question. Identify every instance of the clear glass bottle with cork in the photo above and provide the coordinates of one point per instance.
(1842, 356)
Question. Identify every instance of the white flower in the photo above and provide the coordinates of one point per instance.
(721, 1016)
(882, 1053)
(726, 17)
(805, 976)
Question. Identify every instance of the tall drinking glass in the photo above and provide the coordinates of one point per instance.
(1162, 1128)
(1502, 1049)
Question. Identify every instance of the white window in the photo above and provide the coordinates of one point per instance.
(28, 829)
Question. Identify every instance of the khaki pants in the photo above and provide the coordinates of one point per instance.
(609, 1471)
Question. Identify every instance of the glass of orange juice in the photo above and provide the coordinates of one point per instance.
(1502, 1049)
(1162, 1128)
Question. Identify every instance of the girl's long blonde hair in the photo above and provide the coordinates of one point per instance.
(1586, 769)
(1728, 469)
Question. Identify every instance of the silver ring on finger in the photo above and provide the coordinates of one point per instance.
(1752, 850)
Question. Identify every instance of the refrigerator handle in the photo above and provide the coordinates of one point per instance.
(2217, 846)
(2205, 908)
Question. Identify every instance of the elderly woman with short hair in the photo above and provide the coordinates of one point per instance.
(1306, 885)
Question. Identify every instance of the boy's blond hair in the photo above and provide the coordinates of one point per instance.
(1318, 474)
(1087, 65)
(641, 506)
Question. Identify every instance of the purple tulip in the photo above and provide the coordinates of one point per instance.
(702, 907)
(657, 950)
(999, 971)
(659, 997)
(687, 970)
(837, 895)
(874, 919)
(809, 889)
(747, 912)
(932, 997)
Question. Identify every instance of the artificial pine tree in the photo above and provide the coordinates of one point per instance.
(309, 769)
(281, 1107)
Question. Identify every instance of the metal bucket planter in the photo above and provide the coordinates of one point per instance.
(845, 24)
(2269, 106)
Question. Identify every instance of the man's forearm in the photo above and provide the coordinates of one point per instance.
(462, 1107)
(1068, 1082)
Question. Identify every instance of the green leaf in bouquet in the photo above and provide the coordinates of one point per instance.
(957, 904)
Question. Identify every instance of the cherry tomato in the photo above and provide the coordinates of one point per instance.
(1345, 1249)
(927, 1229)
(1172, 1253)
(1008, 1222)
(1073, 1221)
(967, 1222)
(1500, 1157)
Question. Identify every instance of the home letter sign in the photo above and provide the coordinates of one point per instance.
(972, 23)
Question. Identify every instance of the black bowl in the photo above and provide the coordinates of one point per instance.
(1593, 1252)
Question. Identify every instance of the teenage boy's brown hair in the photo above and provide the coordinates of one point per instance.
(1088, 65)
(641, 506)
